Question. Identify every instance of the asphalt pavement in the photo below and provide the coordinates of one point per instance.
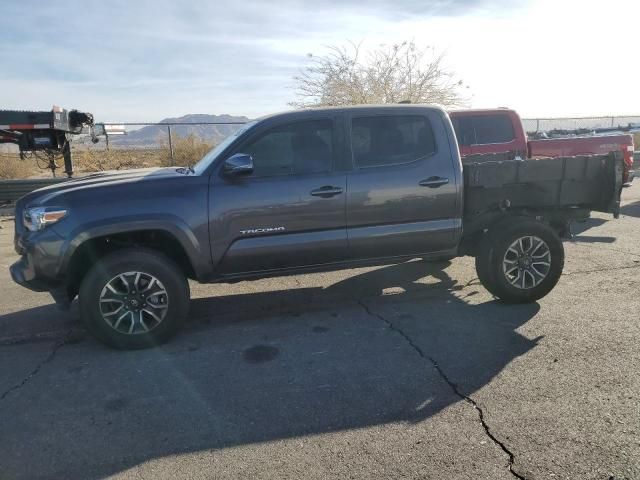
(404, 371)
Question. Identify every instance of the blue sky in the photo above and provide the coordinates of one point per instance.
(146, 60)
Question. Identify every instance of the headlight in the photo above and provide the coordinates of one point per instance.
(37, 218)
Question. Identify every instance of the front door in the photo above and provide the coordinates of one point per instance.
(290, 212)
(403, 192)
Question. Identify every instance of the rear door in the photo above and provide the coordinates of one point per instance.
(291, 211)
(403, 194)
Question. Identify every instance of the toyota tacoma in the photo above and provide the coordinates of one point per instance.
(304, 191)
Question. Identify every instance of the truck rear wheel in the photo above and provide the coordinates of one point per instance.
(134, 298)
(520, 262)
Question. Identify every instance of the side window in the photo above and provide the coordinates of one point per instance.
(493, 129)
(391, 140)
(297, 148)
(465, 133)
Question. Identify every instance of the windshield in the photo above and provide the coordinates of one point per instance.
(204, 163)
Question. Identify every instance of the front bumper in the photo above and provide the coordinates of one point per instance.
(23, 273)
(37, 268)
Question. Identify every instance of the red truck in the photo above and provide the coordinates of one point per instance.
(500, 130)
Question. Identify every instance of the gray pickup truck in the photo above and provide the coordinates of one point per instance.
(302, 191)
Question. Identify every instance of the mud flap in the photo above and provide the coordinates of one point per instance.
(611, 195)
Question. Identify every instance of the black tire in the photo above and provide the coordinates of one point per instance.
(152, 263)
(491, 254)
(482, 265)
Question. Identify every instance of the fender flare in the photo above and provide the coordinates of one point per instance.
(170, 224)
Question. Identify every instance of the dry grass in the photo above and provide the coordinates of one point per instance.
(186, 151)
(93, 160)
(11, 166)
(86, 159)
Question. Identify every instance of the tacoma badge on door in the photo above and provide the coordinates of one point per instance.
(262, 230)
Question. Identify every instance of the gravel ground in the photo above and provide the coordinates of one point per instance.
(405, 371)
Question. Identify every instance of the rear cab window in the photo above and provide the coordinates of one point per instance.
(483, 129)
(390, 140)
(493, 129)
(465, 133)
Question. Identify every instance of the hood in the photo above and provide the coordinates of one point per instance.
(97, 180)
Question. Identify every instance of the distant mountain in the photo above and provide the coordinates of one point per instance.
(155, 134)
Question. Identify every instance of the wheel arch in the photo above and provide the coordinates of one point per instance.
(92, 244)
(477, 229)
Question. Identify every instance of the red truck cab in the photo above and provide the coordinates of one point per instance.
(500, 130)
(497, 130)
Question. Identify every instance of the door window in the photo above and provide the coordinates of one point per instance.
(297, 148)
(391, 140)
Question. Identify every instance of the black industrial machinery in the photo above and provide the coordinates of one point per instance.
(45, 135)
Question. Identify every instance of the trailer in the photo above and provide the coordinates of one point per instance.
(44, 133)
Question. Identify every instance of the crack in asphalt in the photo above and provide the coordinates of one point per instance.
(451, 384)
(601, 247)
(65, 341)
(39, 337)
(603, 269)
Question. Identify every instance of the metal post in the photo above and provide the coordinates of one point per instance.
(52, 166)
(106, 137)
(170, 144)
(66, 154)
(612, 119)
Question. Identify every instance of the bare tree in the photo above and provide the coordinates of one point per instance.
(389, 74)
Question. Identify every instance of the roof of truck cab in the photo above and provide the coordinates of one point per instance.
(481, 111)
(350, 108)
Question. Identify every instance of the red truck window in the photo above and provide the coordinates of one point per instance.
(493, 129)
(483, 129)
(465, 133)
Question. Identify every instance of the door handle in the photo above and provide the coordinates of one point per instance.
(433, 182)
(326, 191)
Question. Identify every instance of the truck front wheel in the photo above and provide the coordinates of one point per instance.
(134, 298)
(520, 262)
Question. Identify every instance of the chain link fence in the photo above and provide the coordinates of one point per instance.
(119, 146)
(536, 125)
(128, 146)
(153, 144)
(140, 145)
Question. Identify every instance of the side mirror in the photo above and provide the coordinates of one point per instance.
(238, 164)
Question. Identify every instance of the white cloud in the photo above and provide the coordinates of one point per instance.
(146, 60)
